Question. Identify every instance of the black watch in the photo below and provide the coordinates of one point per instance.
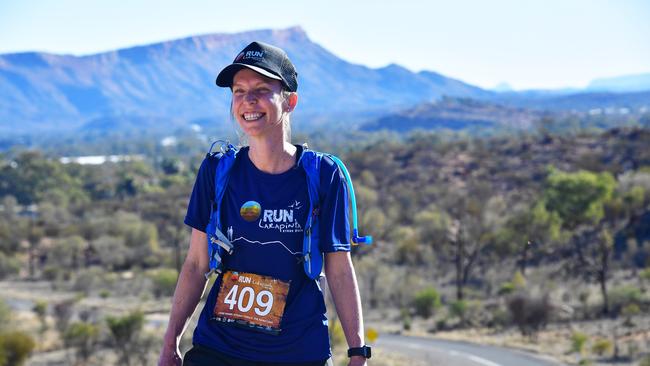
(359, 351)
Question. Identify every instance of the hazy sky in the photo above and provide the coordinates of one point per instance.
(526, 43)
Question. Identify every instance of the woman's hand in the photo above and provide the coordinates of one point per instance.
(170, 356)
(357, 361)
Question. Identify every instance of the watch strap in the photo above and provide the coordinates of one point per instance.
(364, 351)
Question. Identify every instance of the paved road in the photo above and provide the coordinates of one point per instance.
(451, 353)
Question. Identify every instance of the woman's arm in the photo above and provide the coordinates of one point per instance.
(189, 288)
(342, 283)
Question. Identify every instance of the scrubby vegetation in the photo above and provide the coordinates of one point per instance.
(469, 233)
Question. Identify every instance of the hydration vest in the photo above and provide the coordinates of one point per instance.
(310, 161)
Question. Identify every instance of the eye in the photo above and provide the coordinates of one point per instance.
(263, 90)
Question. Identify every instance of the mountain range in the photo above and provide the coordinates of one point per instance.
(171, 84)
(625, 83)
(456, 114)
(174, 81)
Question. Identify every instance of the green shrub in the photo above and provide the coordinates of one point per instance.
(406, 319)
(88, 280)
(519, 281)
(579, 342)
(620, 297)
(8, 265)
(5, 315)
(40, 309)
(500, 318)
(602, 346)
(645, 274)
(125, 328)
(506, 288)
(466, 311)
(52, 273)
(15, 346)
(124, 331)
(83, 337)
(164, 281)
(426, 302)
(631, 310)
(458, 309)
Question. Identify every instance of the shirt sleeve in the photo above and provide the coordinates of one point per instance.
(334, 220)
(198, 209)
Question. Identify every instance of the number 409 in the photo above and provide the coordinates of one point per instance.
(263, 301)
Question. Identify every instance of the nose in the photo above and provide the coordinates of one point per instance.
(250, 97)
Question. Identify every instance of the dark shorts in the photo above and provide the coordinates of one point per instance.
(203, 356)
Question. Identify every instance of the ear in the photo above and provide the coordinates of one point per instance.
(292, 101)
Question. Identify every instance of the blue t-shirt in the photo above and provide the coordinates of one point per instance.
(264, 215)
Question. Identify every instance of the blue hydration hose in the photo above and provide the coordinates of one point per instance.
(356, 239)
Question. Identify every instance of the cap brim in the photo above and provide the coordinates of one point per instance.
(224, 79)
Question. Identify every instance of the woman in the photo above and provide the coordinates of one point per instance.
(263, 309)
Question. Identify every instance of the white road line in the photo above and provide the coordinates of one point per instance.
(414, 346)
(482, 361)
(474, 358)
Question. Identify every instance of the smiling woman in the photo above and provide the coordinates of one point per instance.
(259, 105)
(266, 306)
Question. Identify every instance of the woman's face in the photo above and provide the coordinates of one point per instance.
(257, 103)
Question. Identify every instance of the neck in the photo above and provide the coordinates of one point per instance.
(273, 157)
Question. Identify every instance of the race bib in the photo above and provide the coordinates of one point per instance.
(252, 301)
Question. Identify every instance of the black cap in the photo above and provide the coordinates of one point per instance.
(265, 59)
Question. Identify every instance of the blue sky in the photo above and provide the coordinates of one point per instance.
(526, 43)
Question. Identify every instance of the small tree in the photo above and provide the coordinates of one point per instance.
(426, 302)
(125, 331)
(582, 200)
(459, 309)
(40, 308)
(15, 346)
(529, 314)
(602, 346)
(63, 312)
(164, 281)
(579, 343)
(83, 337)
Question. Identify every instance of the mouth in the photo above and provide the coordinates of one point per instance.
(252, 116)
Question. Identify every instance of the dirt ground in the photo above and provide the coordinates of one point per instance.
(633, 339)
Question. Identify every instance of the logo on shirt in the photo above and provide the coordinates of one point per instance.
(250, 211)
(282, 220)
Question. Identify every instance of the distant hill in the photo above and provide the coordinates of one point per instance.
(633, 102)
(625, 83)
(456, 114)
(174, 81)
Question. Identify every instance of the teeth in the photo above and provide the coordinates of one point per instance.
(252, 116)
